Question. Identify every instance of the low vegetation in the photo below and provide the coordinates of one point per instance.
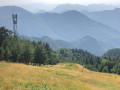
(67, 76)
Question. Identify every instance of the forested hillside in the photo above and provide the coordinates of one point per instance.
(24, 51)
(112, 53)
(12, 49)
(86, 43)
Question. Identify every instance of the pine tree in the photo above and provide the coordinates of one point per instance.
(4, 34)
(40, 55)
(49, 53)
(2, 53)
(7, 54)
(26, 54)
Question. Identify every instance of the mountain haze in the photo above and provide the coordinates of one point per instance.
(91, 45)
(107, 17)
(63, 30)
(87, 43)
(54, 44)
(28, 23)
(73, 25)
(92, 7)
(70, 25)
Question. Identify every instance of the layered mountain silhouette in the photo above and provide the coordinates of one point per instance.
(92, 7)
(92, 45)
(87, 43)
(73, 25)
(107, 17)
(70, 29)
(54, 44)
(28, 23)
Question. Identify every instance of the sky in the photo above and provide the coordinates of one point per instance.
(85, 2)
(50, 4)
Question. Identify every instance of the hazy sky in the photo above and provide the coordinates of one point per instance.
(50, 4)
(16, 2)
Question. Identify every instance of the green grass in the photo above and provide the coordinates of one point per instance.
(67, 76)
(71, 66)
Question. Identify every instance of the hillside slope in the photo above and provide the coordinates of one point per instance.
(112, 53)
(58, 77)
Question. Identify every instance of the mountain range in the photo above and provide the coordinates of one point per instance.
(71, 29)
(28, 23)
(73, 25)
(107, 17)
(92, 7)
(87, 43)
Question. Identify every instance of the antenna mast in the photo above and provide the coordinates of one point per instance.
(14, 17)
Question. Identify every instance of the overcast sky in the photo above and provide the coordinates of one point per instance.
(18, 2)
(50, 4)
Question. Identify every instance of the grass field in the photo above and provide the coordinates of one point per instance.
(68, 76)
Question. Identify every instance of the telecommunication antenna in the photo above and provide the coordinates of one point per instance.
(14, 17)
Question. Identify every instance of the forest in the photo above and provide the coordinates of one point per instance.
(13, 49)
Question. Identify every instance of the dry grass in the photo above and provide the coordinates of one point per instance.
(70, 76)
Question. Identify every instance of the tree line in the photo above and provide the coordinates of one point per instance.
(13, 49)
(23, 51)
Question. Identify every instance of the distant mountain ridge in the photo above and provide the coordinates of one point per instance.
(87, 43)
(28, 23)
(92, 7)
(92, 45)
(73, 25)
(107, 17)
(57, 26)
(63, 29)
(54, 44)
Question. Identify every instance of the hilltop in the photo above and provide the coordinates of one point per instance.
(67, 76)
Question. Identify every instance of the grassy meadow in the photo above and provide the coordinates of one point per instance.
(66, 76)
